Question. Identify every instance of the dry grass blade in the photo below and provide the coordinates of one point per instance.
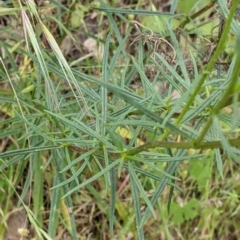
(152, 40)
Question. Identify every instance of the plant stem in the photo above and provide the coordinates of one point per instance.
(162, 144)
(182, 145)
(225, 96)
(209, 67)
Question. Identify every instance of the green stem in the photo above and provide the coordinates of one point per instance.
(181, 145)
(209, 67)
(225, 96)
(162, 144)
(212, 62)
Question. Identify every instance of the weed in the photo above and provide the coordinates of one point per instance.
(86, 155)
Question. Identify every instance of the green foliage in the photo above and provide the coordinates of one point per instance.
(93, 130)
(77, 16)
(185, 7)
(201, 171)
(185, 211)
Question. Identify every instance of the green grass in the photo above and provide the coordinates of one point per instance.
(135, 140)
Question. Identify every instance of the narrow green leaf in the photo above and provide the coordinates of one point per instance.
(99, 174)
(165, 180)
(28, 150)
(134, 12)
(226, 146)
(105, 77)
(54, 213)
(112, 200)
(141, 189)
(137, 206)
(79, 159)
